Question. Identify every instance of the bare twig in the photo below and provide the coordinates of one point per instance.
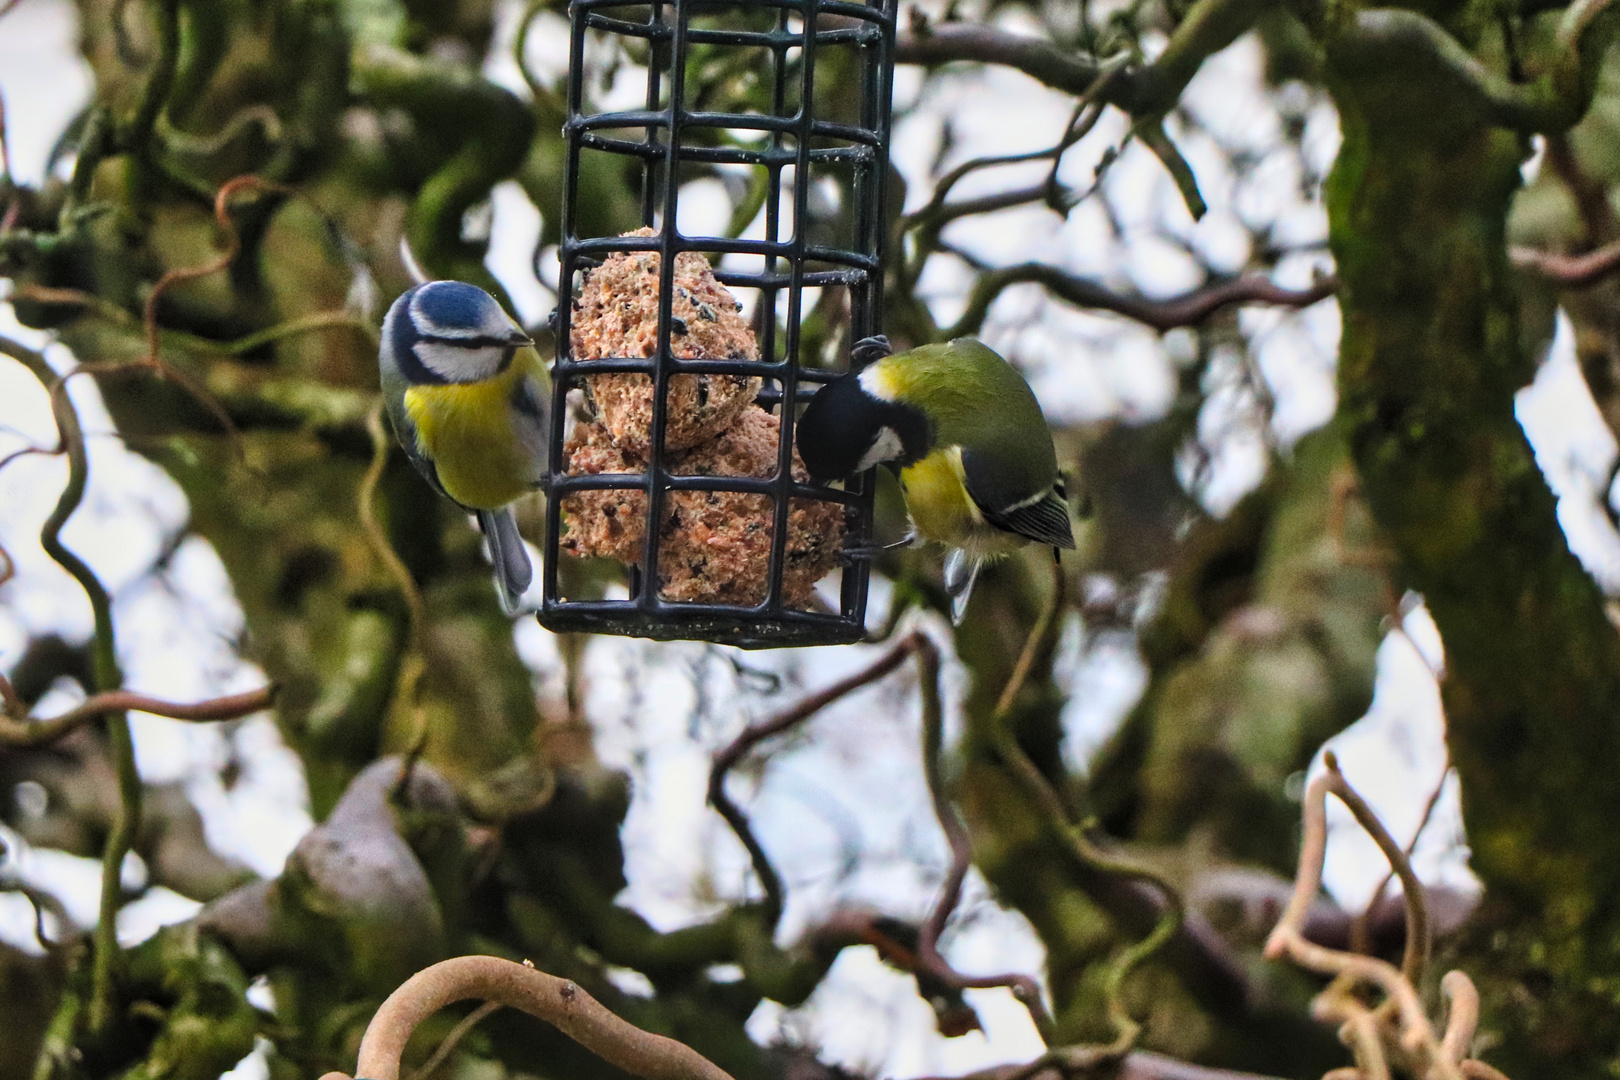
(1359, 928)
(152, 360)
(1046, 61)
(1189, 309)
(559, 1002)
(1081, 848)
(18, 729)
(1416, 954)
(5, 151)
(381, 445)
(1571, 271)
(754, 734)
(1024, 988)
(108, 677)
(1359, 1030)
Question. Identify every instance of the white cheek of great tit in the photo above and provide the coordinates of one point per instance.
(888, 446)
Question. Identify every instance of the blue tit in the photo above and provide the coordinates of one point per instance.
(469, 401)
(964, 433)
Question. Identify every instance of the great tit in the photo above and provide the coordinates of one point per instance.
(964, 433)
(469, 402)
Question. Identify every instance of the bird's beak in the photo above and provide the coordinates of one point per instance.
(518, 339)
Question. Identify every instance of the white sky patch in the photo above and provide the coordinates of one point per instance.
(1576, 452)
(43, 80)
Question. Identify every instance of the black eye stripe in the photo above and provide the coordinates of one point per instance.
(465, 342)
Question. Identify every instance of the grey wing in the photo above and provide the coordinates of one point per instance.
(531, 412)
(1010, 502)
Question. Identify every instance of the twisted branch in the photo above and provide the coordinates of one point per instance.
(1083, 850)
(1023, 988)
(108, 677)
(559, 1002)
(1189, 309)
(1399, 1025)
(19, 729)
(1571, 271)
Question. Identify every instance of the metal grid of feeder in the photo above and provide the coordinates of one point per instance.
(668, 141)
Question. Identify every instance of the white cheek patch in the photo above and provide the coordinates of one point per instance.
(887, 447)
(457, 364)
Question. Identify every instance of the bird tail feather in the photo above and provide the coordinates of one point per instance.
(961, 571)
(512, 570)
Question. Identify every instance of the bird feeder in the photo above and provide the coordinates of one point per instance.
(684, 347)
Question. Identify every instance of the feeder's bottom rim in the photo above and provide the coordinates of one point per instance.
(806, 629)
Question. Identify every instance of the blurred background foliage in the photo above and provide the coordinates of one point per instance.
(1257, 560)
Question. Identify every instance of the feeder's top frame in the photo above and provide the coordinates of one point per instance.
(788, 137)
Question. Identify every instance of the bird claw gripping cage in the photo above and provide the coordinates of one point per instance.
(685, 348)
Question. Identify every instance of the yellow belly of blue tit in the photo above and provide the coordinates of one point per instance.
(466, 430)
(942, 510)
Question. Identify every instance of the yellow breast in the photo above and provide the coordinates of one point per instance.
(942, 510)
(466, 430)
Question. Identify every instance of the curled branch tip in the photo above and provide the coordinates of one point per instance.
(560, 1002)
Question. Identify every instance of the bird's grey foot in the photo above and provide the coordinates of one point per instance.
(868, 350)
(872, 551)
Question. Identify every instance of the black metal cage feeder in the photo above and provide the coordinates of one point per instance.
(793, 59)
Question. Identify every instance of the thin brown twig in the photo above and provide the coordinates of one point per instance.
(1189, 309)
(152, 360)
(1023, 988)
(1418, 943)
(560, 1002)
(1081, 848)
(10, 570)
(1571, 271)
(18, 729)
(5, 151)
(381, 445)
(1360, 934)
(754, 734)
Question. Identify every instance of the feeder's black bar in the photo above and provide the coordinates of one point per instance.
(801, 200)
(647, 595)
(727, 155)
(621, 365)
(745, 485)
(649, 186)
(567, 261)
(791, 249)
(730, 121)
(811, 277)
(754, 38)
